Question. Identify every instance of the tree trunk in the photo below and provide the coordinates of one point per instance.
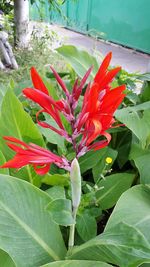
(21, 18)
(7, 58)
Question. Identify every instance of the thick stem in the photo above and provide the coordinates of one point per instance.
(72, 229)
(21, 18)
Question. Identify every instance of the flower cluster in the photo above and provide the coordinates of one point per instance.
(95, 118)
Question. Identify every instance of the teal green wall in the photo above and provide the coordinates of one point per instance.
(125, 22)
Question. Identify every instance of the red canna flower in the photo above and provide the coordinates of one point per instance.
(40, 95)
(96, 117)
(40, 158)
(99, 104)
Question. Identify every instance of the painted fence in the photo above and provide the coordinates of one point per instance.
(125, 22)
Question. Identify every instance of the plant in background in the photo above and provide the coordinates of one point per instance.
(95, 118)
(87, 168)
(44, 37)
(6, 6)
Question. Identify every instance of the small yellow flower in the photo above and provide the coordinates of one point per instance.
(109, 160)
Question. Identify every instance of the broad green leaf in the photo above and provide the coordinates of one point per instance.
(56, 192)
(123, 245)
(133, 207)
(61, 211)
(111, 188)
(145, 92)
(140, 126)
(141, 158)
(143, 106)
(136, 151)
(123, 146)
(101, 167)
(17, 123)
(146, 118)
(2, 161)
(17, 88)
(5, 260)
(90, 159)
(144, 76)
(27, 232)
(78, 263)
(126, 239)
(80, 60)
(136, 124)
(56, 179)
(143, 164)
(86, 226)
(3, 90)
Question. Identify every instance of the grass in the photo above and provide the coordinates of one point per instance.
(38, 56)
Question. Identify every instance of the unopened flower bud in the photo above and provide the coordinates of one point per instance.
(75, 177)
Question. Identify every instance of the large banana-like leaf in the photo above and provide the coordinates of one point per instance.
(5, 260)
(27, 232)
(77, 263)
(126, 239)
(80, 60)
(16, 122)
(139, 125)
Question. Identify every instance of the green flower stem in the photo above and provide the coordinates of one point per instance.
(72, 229)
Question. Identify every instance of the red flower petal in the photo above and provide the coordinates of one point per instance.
(93, 130)
(78, 90)
(112, 99)
(15, 140)
(60, 81)
(34, 155)
(42, 170)
(103, 68)
(46, 102)
(101, 144)
(37, 81)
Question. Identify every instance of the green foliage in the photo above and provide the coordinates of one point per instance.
(17, 123)
(125, 241)
(111, 188)
(5, 260)
(61, 211)
(53, 5)
(145, 92)
(142, 163)
(34, 238)
(2, 161)
(102, 168)
(56, 179)
(90, 159)
(136, 121)
(78, 263)
(33, 215)
(36, 56)
(6, 6)
(80, 60)
(86, 225)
